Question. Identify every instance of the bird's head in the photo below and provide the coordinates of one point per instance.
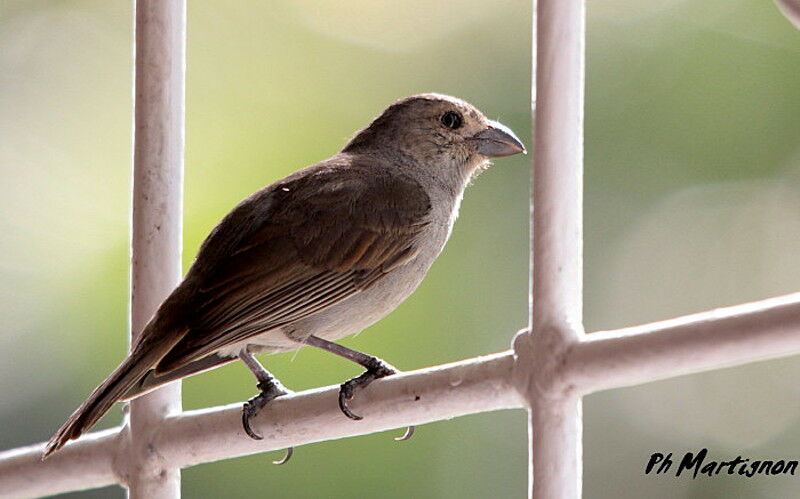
(434, 129)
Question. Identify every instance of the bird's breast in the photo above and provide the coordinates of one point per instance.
(369, 306)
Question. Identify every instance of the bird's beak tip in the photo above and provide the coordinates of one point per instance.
(498, 140)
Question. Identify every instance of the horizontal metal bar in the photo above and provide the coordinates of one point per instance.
(84, 464)
(608, 359)
(718, 338)
(468, 387)
(416, 397)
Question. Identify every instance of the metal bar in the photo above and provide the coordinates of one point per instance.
(557, 429)
(160, 39)
(608, 359)
(694, 343)
(416, 397)
(83, 464)
(556, 286)
(557, 204)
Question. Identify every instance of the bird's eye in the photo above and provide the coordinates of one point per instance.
(452, 120)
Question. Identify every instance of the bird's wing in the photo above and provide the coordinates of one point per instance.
(296, 248)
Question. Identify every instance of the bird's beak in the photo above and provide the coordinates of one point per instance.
(498, 140)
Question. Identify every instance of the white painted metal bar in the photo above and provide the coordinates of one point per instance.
(415, 397)
(719, 338)
(557, 181)
(556, 252)
(160, 39)
(555, 432)
(83, 464)
(733, 335)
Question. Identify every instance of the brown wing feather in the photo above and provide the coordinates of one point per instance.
(295, 248)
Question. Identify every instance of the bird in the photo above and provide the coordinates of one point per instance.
(314, 257)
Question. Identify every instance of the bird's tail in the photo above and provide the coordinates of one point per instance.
(150, 381)
(128, 374)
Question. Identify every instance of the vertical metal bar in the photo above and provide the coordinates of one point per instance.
(160, 34)
(557, 282)
(555, 432)
(555, 424)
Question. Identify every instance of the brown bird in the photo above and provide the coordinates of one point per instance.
(314, 257)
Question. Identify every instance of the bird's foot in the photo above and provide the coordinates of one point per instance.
(376, 369)
(269, 391)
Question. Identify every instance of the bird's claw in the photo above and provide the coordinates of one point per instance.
(249, 410)
(349, 388)
(286, 458)
(346, 393)
(253, 406)
(408, 434)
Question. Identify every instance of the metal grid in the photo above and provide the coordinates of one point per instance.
(552, 365)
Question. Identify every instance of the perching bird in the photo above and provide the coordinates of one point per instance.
(314, 257)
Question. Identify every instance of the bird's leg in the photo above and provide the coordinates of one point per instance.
(270, 389)
(375, 369)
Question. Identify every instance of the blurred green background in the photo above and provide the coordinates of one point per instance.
(692, 202)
